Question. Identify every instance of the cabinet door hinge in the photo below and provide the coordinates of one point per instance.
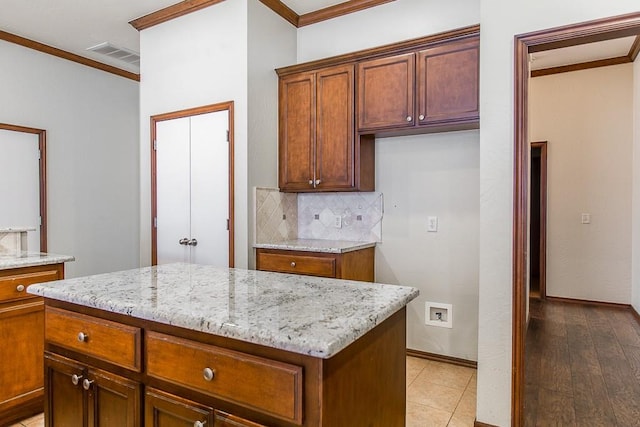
(155, 145)
(227, 136)
(155, 222)
(227, 225)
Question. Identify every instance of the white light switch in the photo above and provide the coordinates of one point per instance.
(586, 218)
(432, 223)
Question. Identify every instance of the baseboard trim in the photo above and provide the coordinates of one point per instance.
(588, 302)
(477, 423)
(440, 358)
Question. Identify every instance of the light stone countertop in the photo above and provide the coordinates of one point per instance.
(16, 229)
(317, 245)
(30, 259)
(302, 314)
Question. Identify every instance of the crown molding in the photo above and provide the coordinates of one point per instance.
(171, 12)
(40, 47)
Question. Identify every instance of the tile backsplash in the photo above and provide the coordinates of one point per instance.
(287, 216)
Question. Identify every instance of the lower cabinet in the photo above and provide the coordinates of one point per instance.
(167, 410)
(79, 395)
(22, 341)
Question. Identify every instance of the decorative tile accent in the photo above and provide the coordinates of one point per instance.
(360, 216)
(276, 215)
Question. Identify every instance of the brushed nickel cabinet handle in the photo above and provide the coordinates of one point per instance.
(183, 241)
(75, 379)
(20, 288)
(86, 384)
(318, 181)
(293, 263)
(199, 423)
(409, 118)
(208, 374)
(192, 242)
(310, 182)
(421, 117)
(82, 337)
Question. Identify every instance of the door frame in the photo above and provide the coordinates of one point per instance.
(543, 216)
(42, 146)
(524, 44)
(212, 108)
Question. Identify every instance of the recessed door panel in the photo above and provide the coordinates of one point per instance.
(173, 189)
(210, 188)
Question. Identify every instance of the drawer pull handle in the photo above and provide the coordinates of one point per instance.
(421, 117)
(86, 384)
(199, 423)
(75, 379)
(20, 288)
(82, 337)
(310, 182)
(293, 263)
(208, 374)
(409, 118)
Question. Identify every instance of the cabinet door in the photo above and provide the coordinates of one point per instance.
(112, 400)
(222, 419)
(64, 402)
(334, 128)
(448, 82)
(297, 117)
(386, 92)
(21, 369)
(167, 410)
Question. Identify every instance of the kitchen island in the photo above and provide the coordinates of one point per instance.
(185, 344)
(22, 329)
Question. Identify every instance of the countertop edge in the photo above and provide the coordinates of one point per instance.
(290, 246)
(33, 261)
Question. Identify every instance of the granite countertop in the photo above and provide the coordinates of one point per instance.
(302, 314)
(29, 259)
(317, 245)
(16, 229)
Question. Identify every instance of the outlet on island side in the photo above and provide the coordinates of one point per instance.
(337, 221)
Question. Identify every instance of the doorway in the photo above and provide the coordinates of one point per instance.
(538, 221)
(24, 163)
(571, 35)
(192, 186)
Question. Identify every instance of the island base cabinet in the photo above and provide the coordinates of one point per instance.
(167, 410)
(78, 395)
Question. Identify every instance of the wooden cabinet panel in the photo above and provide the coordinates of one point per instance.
(112, 400)
(334, 128)
(297, 131)
(65, 400)
(21, 349)
(271, 387)
(288, 262)
(448, 82)
(353, 265)
(222, 419)
(110, 341)
(167, 410)
(386, 92)
(14, 286)
(22, 341)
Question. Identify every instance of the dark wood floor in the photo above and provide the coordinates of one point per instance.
(582, 366)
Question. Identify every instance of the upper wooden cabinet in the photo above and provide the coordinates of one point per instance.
(429, 90)
(317, 148)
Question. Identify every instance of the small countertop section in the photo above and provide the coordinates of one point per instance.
(307, 315)
(30, 259)
(16, 229)
(317, 245)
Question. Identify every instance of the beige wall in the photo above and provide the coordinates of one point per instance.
(500, 22)
(586, 117)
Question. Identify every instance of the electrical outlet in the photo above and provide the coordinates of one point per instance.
(337, 221)
(586, 218)
(432, 224)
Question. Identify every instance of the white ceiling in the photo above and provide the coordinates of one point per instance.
(75, 25)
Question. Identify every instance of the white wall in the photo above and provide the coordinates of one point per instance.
(197, 59)
(635, 252)
(91, 119)
(586, 117)
(271, 44)
(500, 22)
(424, 175)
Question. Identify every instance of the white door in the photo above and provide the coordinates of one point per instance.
(20, 188)
(192, 177)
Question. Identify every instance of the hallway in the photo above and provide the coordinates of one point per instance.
(582, 366)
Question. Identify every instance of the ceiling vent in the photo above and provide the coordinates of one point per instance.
(115, 52)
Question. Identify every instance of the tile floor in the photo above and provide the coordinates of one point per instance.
(438, 395)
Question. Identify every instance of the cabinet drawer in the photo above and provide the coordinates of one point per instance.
(14, 286)
(265, 385)
(298, 264)
(106, 340)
